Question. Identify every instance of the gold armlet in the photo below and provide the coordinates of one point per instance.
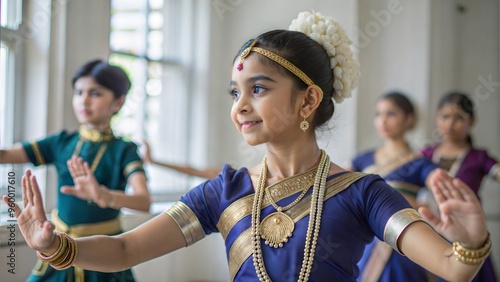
(472, 256)
(397, 223)
(65, 255)
(187, 221)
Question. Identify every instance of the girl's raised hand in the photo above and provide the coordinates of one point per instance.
(461, 215)
(86, 185)
(36, 229)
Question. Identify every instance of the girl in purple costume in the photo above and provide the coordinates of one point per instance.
(456, 153)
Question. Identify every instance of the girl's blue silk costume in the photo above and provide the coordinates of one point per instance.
(408, 171)
(349, 221)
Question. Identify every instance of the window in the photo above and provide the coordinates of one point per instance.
(9, 50)
(151, 41)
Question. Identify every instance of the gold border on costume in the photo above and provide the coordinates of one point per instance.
(436, 158)
(38, 155)
(109, 227)
(241, 248)
(131, 166)
(279, 190)
(397, 223)
(385, 169)
(98, 156)
(404, 187)
(187, 221)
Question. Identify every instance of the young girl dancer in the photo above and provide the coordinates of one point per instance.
(93, 167)
(296, 215)
(406, 171)
(457, 154)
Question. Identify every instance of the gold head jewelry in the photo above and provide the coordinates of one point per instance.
(316, 207)
(277, 58)
(245, 54)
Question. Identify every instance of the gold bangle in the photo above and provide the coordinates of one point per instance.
(69, 256)
(472, 256)
(64, 251)
(56, 254)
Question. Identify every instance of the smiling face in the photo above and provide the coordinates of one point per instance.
(264, 108)
(391, 121)
(93, 104)
(453, 123)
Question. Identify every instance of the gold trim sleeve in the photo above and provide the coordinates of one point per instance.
(38, 154)
(187, 221)
(404, 186)
(397, 223)
(131, 166)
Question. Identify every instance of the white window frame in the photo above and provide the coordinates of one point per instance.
(166, 185)
(11, 116)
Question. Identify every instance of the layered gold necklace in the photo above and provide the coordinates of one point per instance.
(96, 135)
(278, 227)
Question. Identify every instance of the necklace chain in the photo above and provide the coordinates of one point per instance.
(313, 225)
(287, 207)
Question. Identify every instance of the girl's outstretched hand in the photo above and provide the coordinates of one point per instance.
(36, 229)
(461, 215)
(86, 185)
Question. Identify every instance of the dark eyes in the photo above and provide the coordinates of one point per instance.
(391, 114)
(257, 89)
(92, 93)
(454, 117)
(233, 93)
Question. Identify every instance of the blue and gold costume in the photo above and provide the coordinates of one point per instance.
(356, 207)
(407, 174)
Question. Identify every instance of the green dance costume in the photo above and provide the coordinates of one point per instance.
(112, 160)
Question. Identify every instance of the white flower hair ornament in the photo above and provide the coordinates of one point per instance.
(332, 36)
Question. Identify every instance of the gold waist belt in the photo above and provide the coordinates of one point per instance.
(108, 227)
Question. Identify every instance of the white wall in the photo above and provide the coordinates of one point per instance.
(394, 55)
(234, 23)
(465, 57)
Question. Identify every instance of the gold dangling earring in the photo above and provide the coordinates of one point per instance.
(304, 125)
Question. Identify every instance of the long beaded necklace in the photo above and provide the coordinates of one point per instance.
(277, 227)
(312, 228)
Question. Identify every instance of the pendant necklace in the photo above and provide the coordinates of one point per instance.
(278, 228)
